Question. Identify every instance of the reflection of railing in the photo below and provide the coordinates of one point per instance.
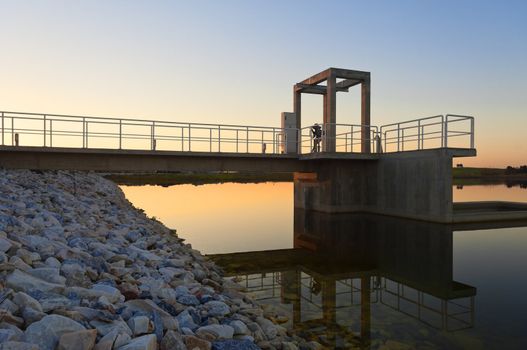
(430, 132)
(445, 314)
(50, 130)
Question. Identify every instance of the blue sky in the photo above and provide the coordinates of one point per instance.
(236, 61)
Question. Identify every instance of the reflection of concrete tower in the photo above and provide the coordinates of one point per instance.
(290, 293)
(342, 264)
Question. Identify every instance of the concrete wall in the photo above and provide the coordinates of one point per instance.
(415, 185)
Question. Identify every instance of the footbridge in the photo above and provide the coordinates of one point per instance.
(401, 168)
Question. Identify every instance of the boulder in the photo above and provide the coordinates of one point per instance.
(148, 306)
(217, 331)
(23, 300)
(193, 342)
(81, 340)
(145, 342)
(22, 281)
(118, 326)
(172, 341)
(234, 344)
(5, 244)
(217, 308)
(140, 325)
(16, 345)
(239, 327)
(47, 332)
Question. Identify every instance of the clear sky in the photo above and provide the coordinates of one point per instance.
(236, 61)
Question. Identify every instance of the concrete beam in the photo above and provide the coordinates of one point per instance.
(143, 161)
(316, 89)
(346, 84)
(317, 78)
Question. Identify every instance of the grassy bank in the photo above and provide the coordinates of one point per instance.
(461, 176)
(169, 179)
(481, 176)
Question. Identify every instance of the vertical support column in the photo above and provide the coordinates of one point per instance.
(330, 115)
(365, 311)
(297, 109)
(329, 312)
(365, 116)
(290, 293)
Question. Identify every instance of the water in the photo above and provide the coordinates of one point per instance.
(359, 280)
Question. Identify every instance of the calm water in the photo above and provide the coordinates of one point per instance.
(359, 280)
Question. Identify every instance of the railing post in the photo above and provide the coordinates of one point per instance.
(398, 136)
(182, 139)
(12, 131)
(351, 140)
(219, 138)
(247, 139)
(2, 128)
(51, 133)
(44, 130)
(445, 132)
(120, 133)
(419, 134)
(402, 140)
(274, 140)
(153, 136)
(87, 134)
(189, 126)
(236, 140)
(83, 133)
(210, 139)
(471, 133)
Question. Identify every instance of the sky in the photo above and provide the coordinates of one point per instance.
(237, 61)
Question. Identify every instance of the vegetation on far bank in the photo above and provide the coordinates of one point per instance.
(461, 176)
(169, 179)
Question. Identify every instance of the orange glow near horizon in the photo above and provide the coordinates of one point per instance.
(489, 193)
(254, 215)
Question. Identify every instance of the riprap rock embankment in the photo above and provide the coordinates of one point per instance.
(81, 268)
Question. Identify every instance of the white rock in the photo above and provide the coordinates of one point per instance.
(47, 331)
(146, 342)
(140, 325)
(219, 331)
(22, 281)
(23, 300)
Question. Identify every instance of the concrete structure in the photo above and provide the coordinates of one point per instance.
(348, 78)
(409, 176)
(415, 185)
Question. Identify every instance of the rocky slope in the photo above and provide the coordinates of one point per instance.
(80, 268)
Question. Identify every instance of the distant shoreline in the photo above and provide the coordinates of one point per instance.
(461, 176)
(483, 176)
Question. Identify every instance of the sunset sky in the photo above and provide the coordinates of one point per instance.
(236, 61)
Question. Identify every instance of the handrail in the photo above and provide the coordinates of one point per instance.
(125, 133)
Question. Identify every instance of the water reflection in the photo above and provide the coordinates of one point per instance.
(347, 270)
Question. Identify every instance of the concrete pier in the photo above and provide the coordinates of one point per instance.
(416, 185)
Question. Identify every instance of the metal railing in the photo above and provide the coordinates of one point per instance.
(54, 130)
(347, 139)
(429, 132)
